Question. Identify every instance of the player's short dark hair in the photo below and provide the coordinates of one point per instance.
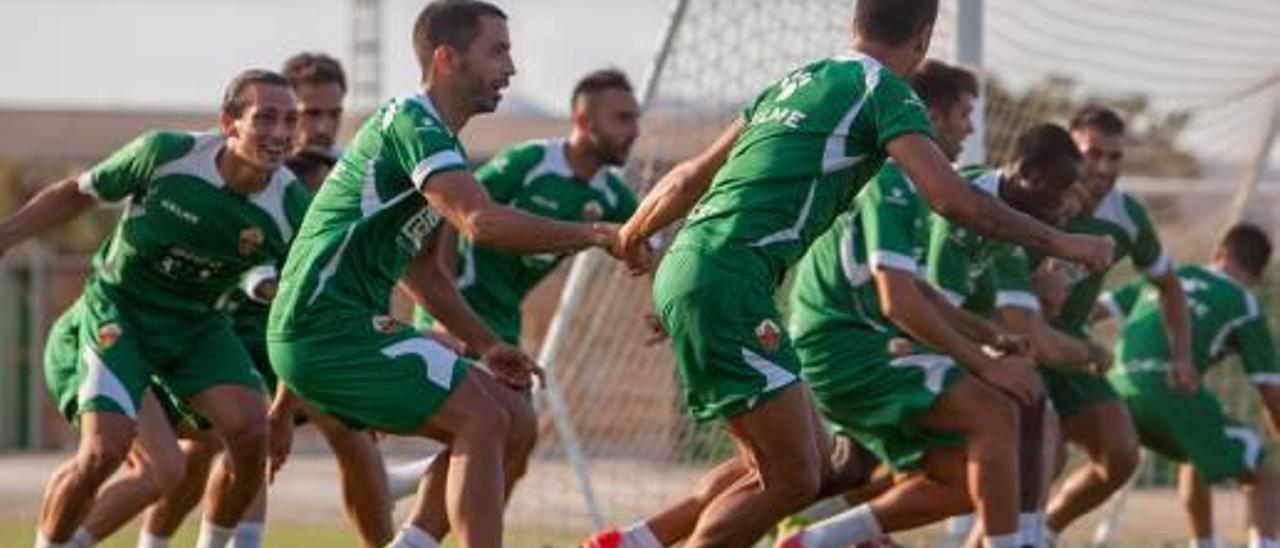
(1045, 146)
(1098, 117)
(454, 23)
(940, 85)
(314, 68)
(233, 103)
(598, 81)
(308, 163)
(1248, 246)
(893, 22)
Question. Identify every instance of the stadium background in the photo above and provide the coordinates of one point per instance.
(1198, 83)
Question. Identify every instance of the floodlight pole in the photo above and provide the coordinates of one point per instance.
(969, 25)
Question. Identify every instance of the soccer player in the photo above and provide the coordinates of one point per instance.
(1192, 428)
(857, 298)
(202, 211)
(1092, 416)
(329, 336)
(771, 183)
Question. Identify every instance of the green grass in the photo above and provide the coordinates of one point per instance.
(21, 532)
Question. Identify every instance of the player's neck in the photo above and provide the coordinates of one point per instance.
(454, 109)
(582, 160)
(241, 176)
(897, 59)
(1237, 274)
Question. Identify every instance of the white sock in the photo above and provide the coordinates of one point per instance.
(958, 530)
(410, 536)
(148, 540)
(1207, 542)
(1050, 537)
(1010, 540)
(1259, 541)
(639, 536)
(248, 535)
(823, 509)
(1031, 528)
(44, 542)
(851, 527)
(403, 479)
(214, 536)
(81, 539)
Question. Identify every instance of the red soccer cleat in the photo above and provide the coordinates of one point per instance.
(609, 538)
(790, 541)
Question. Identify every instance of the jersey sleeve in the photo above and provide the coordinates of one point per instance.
(422, 147)
(948, 260)
(1148, 254)
(129, 170)
(1252, 340)
(504, 175)
(1122, 299)
(1013, 279)
(887, 212)
(896, 110)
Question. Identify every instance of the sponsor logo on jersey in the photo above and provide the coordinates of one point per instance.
(768, 334)
(544, 202)
(592, 211)
(384, 324)
(108, 334)
(250, 240)
(179, 212)
(416, 229)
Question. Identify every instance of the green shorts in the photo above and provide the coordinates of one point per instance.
(1190, 428)
(1075, 391)
(731, 351)
(376, 373)
(874, 396)
(102, 355)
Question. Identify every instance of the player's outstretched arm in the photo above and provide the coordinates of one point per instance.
(906, 306)
(429, 280)
(466, 205)
(1051, 346)
(972, 326)
(954, 199)
(1177, 323)
(678, 191)
(280, 430)
(56, 204)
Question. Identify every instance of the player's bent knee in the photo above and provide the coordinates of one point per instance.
(168, 471)
(101, 459)
(1118, 463)
(794, 484)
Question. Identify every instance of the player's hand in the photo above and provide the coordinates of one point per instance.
(1183, 376)
(1099, 359)
(1014, 375)
(1009, 343)
(280, 441)
(511, 366)
(657, 333)
(1051, 286)
(635, 251)
(1095, 252)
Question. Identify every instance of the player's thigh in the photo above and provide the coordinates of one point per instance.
(1074, 392)
(157, 444)
(1103, 429)
(779, 440)
(732, 354)
(390, 378)
(356, 450)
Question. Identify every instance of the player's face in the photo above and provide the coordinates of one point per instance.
(263, 133)
(486, 68)
(1103, 155)
(1046, 191)
(614, 125)
(954, 125)
(319, 115)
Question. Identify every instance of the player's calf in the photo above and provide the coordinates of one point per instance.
(105, 441)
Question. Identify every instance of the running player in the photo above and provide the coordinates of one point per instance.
(1092, 417)
(330, 338)
(782, 172)
(1192, 428)
(203, 210)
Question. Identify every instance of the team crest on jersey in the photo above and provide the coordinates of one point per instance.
(768, 334)
(592, 211)
(384, 324)
(250, 240)
(108, 334)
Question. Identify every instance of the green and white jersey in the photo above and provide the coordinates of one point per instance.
(367, 221)
(535, 177)
(1225, 317)
(833, 286)
(185, 238)
(973, 271)
(1122, 219)
(810, 142)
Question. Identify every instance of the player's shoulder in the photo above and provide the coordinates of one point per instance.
(168, 144)
(415, 113)
(527, 153)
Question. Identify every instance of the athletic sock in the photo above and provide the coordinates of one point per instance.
(403, 479)
(410, 536)
(1206, 542)
(82, 539)
(1259, 541)
(851, 527)
(1010, 540)
(639, 536)
(248, 535)
(44, 542)
(1031, 528)
(148, 540)
(214, 536)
